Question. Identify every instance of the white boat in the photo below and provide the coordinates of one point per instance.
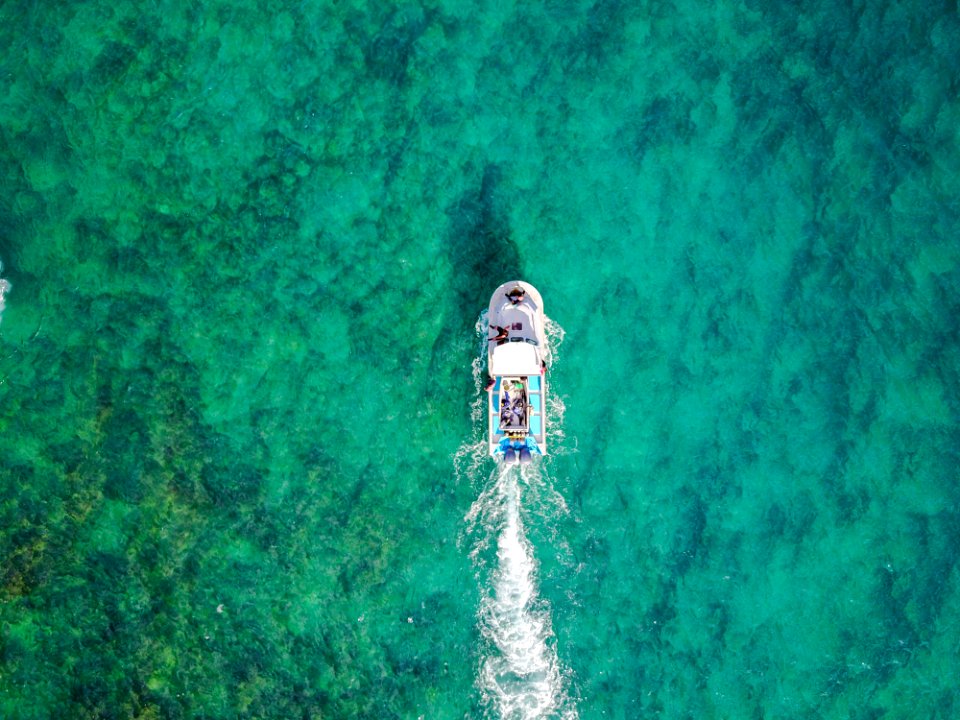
(516, 362)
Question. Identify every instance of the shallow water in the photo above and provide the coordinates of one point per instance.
(244, 249)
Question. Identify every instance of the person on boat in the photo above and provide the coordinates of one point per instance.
(513, 405)
(502, 334)
(516, 295)
(511, 416)
(508, 412)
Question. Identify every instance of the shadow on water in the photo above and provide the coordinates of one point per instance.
(479, 247)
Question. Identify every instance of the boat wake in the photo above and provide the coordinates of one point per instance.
(519, 676)
(4, 288)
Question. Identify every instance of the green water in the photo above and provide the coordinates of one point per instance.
(247, 244)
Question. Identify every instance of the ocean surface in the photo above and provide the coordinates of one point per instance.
(246, 247)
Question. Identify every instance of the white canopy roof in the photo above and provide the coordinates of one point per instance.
(523, 315)
(515, 358)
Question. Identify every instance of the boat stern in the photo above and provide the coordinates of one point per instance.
(516, 417)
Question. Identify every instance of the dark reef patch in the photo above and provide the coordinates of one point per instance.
(479, 247)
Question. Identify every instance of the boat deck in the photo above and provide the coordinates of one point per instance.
(534, 420)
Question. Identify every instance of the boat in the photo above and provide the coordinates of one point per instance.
(517, 363)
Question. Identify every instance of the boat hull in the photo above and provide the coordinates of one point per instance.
(517, 363)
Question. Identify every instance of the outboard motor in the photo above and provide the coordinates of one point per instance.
(525, 455)
(510, 456)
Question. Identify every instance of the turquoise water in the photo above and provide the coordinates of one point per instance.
(244, 249)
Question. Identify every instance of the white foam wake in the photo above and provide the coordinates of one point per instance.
(4, 289)
(478, 412)
(520, 677)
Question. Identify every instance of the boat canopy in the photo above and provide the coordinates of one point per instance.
(517, 317)
(516, 358)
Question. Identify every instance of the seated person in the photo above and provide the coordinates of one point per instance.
(502, 334)
(513, 405)
(516, 295)
(511, 416)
